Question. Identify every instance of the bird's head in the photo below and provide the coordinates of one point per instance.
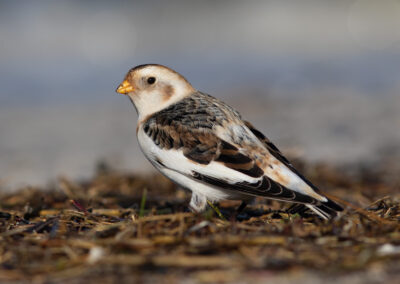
(153, 87)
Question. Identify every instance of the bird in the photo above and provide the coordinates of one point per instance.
(204, 145)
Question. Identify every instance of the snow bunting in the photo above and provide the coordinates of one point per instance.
(204, 145)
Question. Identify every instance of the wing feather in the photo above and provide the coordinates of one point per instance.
(203, 147)
(328, 208)
(266, 187)
(278, 154)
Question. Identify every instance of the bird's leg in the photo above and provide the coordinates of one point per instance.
(238, 211)
(241, 207)
(198, 202)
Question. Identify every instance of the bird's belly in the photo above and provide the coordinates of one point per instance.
(210, 192)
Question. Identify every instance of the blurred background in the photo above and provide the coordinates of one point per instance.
(320, 78)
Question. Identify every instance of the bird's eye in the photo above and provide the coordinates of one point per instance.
(151, 80)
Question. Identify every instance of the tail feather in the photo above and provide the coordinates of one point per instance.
(325, 210)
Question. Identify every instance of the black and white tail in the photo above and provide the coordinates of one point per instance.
(325, 210)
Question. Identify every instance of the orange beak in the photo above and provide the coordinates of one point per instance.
(124, 88)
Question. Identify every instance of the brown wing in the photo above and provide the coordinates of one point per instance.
(187, 125)
(202, 146)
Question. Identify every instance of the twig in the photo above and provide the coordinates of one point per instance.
(216, 210)
(360, 210)
(78, 206)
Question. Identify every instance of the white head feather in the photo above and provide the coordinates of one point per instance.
(154, 87)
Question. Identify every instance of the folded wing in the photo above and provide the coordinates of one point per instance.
(220, 164)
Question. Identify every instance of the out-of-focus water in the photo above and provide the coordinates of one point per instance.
(323, 77)
(40, 143)
(53, 52)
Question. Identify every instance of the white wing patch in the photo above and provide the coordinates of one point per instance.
(292, 181)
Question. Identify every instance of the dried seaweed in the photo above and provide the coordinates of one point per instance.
(133, 228)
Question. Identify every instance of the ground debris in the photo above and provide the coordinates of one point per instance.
(125, 227)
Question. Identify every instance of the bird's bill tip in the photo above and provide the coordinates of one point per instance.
(124, 88)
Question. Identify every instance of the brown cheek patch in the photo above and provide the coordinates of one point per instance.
(168, 92)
